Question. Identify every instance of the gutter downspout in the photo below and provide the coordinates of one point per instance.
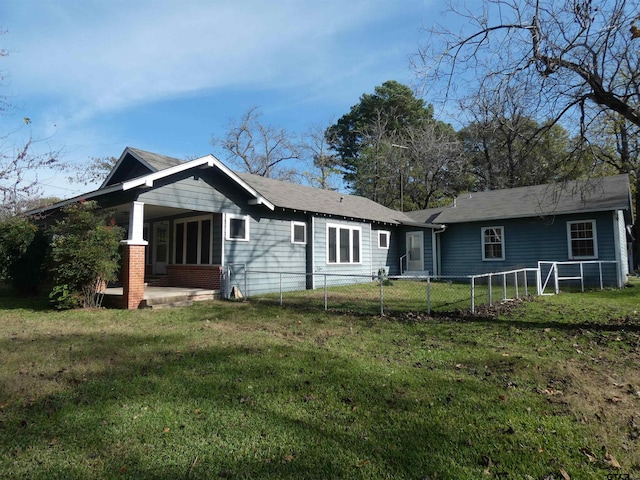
(435, 248)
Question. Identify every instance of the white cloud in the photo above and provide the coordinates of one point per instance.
(102, 56)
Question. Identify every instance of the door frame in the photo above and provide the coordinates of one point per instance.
(160, 268)
(420, 237)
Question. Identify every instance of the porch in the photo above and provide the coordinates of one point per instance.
(160, 297)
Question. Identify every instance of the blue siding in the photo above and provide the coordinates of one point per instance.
(526, 241)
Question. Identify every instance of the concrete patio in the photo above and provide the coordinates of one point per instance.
(161, 297)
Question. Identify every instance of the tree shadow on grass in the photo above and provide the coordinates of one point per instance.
(142, 406)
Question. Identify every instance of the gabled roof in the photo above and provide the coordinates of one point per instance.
(580, 196)
(294, 196)
(151, 162)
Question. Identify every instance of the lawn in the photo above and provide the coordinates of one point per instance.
(542, 389)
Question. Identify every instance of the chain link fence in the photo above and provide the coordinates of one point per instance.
(378, 294)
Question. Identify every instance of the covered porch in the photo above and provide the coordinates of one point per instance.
(171, 255)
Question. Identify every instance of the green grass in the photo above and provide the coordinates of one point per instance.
(248, 390)
(399, 296)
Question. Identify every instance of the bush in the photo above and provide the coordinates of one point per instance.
(85, 254)
(23, 251)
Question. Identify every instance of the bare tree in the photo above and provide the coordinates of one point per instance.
(322, 159)
(93, 172)
(260, 149)
(20, 162)
(582, 56)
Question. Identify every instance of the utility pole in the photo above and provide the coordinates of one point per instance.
(401, 180)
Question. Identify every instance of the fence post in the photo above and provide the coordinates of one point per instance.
(555, 278)
(325, 291)
(490, 290)
(381, 293)
(600, 271)
(526, 286)
(504, 286)
(428, 295)
(473, 295)
(280, 288)
(515, 276)
(246, 293)
(581, 277)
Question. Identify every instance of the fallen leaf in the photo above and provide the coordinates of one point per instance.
(166, 430)
(564, 474)
(589, 454)
(610, 459)
(362, 463)
(289, 458)
(123, 469)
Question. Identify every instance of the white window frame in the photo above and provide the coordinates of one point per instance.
(482, 236)
(185, 221)
(594, 239)
(351, 229)
(293, 229)
(227, 229)
(384, 233)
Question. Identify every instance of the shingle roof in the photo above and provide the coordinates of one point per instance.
(155, 161)
(303, 198)
(596, 194)
(297, 197)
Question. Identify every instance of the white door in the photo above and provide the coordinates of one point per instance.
(415, 251)
(160, 247)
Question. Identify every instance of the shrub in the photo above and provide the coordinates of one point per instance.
(85, 255)
(23, 250)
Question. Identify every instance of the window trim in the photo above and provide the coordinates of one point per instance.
(227, 225)
(185, 221)
(502, 244)
(351, 229)
(295, 224)
(594, 239)
(384, 233)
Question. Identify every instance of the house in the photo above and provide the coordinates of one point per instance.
(189, 222)
(500, 230)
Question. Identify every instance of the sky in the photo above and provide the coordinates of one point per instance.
(96, 76)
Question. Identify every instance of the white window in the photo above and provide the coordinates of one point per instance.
(492, 243)
(298, 232)
(383, 239)
(343, 244)
(193, 241)
(237, 227)
(582, 239)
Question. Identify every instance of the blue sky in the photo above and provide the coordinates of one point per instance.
(95, 76)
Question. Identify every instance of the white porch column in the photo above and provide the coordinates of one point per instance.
(136, 224)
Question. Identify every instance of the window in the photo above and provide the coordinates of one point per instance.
(343, 244)
(298, 232)
(193, 241)
(582, 239)
(492, 243)
(237, 227)
(383, 239)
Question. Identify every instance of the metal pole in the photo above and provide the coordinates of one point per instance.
(325, 291)
(504, 286)
(473, 293)
(581, 277)
(280, 288)
(428, 295)
(381, 294)
(515, 276)
(490, 290)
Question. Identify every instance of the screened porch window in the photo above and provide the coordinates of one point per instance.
(192, 240)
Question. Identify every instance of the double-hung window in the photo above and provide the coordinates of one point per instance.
(193, 241)
(492, 243)
(237, 227)
(343, 244)
(582, 240)
(299, 232)
(383, 239)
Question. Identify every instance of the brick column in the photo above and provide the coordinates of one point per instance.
(134, 259)
(133, 275)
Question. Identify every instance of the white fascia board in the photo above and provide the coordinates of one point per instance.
(147, 180)
(208, 161)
